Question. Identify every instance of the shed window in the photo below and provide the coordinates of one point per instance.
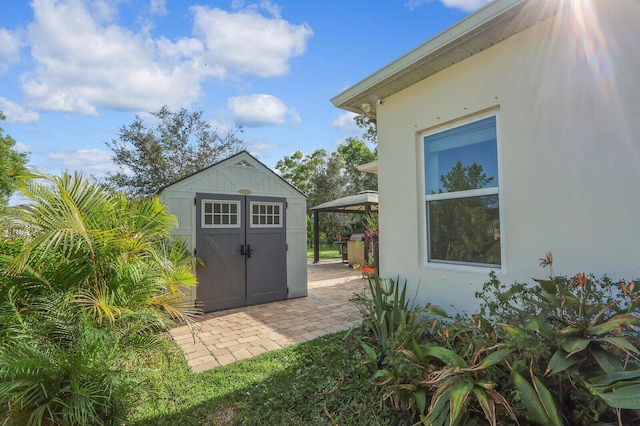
(266, 215)
(220, 214)
(462, 194)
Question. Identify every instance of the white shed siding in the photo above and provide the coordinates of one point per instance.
(227, 177)
(297, 241)
(180, 204)
(568, 146)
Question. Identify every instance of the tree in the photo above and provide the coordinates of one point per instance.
(299, 169)
(464, 178)
(97, 278)
(321, 177)
(370, 127)
(180, 144)
(354, 153)
(324, 177)
(330, 182)
(12, 164)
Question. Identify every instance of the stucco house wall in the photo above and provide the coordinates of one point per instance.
(566, 93)
(244, 174)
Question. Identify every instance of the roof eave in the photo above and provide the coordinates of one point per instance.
(371, 167)
(464, 29)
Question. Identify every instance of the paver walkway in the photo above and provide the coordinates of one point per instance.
(227, 336)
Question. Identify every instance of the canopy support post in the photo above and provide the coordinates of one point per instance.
(316, 237)
(367, 212)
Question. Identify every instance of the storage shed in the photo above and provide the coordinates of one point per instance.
(248, 226)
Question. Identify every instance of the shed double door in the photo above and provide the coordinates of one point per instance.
(242, 242)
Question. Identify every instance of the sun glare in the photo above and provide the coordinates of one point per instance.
(593, 42)
(588, 56)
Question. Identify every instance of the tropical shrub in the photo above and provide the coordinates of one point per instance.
(391, 324)
(95, 278)
(564, 351)
(579, 337)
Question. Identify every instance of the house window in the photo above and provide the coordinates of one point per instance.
(220, 214)
(266, 215)
(462, 194)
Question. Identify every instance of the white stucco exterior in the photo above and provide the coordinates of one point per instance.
(566, 92)
(244, 174)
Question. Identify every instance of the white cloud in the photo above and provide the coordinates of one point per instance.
(345, 122)
(465, 5)
(258, 110)
(158, 7)
(94, 162)
(260, 149)
(247, 42)
(21, 147)
(105, 10)
(10, 43)
(412, 4)
(294, 117)
(16, 113)
(89, 61)
(222, 121)
(84, 63)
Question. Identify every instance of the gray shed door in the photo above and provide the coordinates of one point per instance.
(242, 241)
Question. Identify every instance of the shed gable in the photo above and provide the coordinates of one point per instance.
(239, 173)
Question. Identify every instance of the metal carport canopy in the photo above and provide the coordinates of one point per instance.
(363, 202)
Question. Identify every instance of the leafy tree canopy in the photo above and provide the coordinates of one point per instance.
(369, 125)
(354, 153)
(180, 144)
(326, 176)
(12, 164)
(298, 169)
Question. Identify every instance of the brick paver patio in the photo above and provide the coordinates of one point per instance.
(227, 336)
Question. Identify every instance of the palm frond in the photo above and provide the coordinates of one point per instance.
(96, 276)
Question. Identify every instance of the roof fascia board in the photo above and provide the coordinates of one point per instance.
(447, 38)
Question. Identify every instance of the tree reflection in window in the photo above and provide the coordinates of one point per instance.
(465, 229)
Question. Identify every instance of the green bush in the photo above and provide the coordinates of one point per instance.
(391, 323)
(94, 280)
(564, 351)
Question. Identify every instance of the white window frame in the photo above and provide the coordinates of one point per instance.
(280, 215)
(427, 262)
(203, 213)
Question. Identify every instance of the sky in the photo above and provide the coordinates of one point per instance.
(73, 72)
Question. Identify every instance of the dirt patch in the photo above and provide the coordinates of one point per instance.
(224, 416)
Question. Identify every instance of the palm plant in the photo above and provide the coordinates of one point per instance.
(96, 277)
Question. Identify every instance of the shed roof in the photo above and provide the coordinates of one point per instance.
(352, 204)
(488, 26)
(242, 158)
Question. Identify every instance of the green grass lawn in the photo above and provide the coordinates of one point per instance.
(320, 382)
(327, 251)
